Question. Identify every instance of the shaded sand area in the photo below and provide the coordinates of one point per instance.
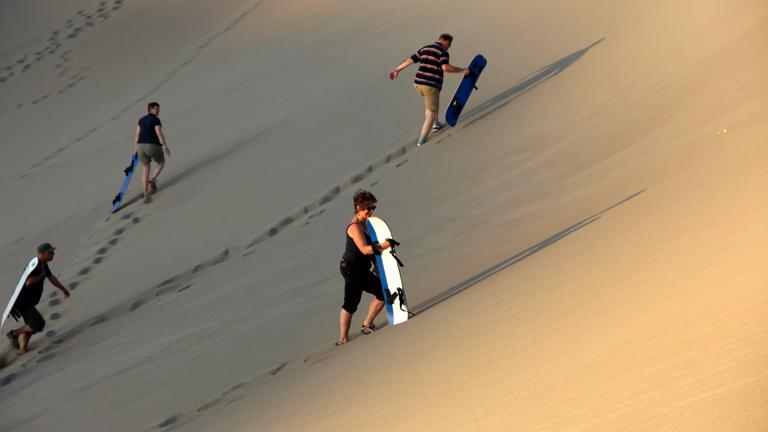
(585, 251)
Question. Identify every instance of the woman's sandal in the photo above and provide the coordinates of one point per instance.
(368, 329)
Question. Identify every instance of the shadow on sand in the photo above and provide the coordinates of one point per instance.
(527, 83)
(514, 259)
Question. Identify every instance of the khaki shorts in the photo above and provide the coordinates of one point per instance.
(431, 96)
(149, 152)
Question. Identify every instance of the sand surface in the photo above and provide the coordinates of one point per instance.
(586, 251)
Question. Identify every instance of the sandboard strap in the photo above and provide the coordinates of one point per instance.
(392, 296)
(393, 251)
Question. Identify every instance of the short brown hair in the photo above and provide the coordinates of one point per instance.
(363, 198)
(446, 37)
(152, 105)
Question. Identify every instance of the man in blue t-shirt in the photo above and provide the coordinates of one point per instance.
(150, 142)
(29, 297)
(433, 60)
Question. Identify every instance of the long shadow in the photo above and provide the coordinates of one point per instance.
(514, 259)
(527, 84)
(209, 161)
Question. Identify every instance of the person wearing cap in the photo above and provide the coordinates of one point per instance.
(30, 296)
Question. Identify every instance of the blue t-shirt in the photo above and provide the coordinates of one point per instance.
(147, 133)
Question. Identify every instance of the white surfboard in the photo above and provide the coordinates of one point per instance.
(7, 312)
(388, 266)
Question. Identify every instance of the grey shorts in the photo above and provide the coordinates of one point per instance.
(150, 152)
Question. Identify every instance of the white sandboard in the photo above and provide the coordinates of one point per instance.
(7, 312)
(389, 274)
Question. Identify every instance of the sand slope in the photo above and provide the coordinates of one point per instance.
(583, 251)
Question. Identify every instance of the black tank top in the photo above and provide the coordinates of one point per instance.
(352, 255)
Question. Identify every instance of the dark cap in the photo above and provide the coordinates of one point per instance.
(45, 247)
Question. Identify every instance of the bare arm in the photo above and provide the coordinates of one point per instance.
(59, 285)
(356, 232)
(407, 62)
(136, 138)
(453, 69)
(161, 137)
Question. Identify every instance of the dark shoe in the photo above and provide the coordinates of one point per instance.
(368, 329)
(152, 187)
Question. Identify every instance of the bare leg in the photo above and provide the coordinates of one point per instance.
(24, 342)
(145, 178)
(19, 331)
(373, 310)
(159, 168)
(429, 120)
(345, 319)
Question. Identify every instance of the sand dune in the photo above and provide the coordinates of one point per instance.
(583, 252)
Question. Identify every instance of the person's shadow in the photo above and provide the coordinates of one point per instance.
(527, 83)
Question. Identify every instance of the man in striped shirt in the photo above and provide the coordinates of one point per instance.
(433, 60)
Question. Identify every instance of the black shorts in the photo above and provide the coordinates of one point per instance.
(357, 280)
(32, 317)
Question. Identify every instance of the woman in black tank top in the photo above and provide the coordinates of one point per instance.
(356, 267)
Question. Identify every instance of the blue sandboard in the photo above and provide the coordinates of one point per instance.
(128, 174)
(468, 83)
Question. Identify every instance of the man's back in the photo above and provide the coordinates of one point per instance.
(147, 133)
(431, 59)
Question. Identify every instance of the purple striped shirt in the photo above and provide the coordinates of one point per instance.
(431, 58)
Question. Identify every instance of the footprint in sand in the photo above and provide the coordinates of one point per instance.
(99, 320)
(8, 379)
(167, 422)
